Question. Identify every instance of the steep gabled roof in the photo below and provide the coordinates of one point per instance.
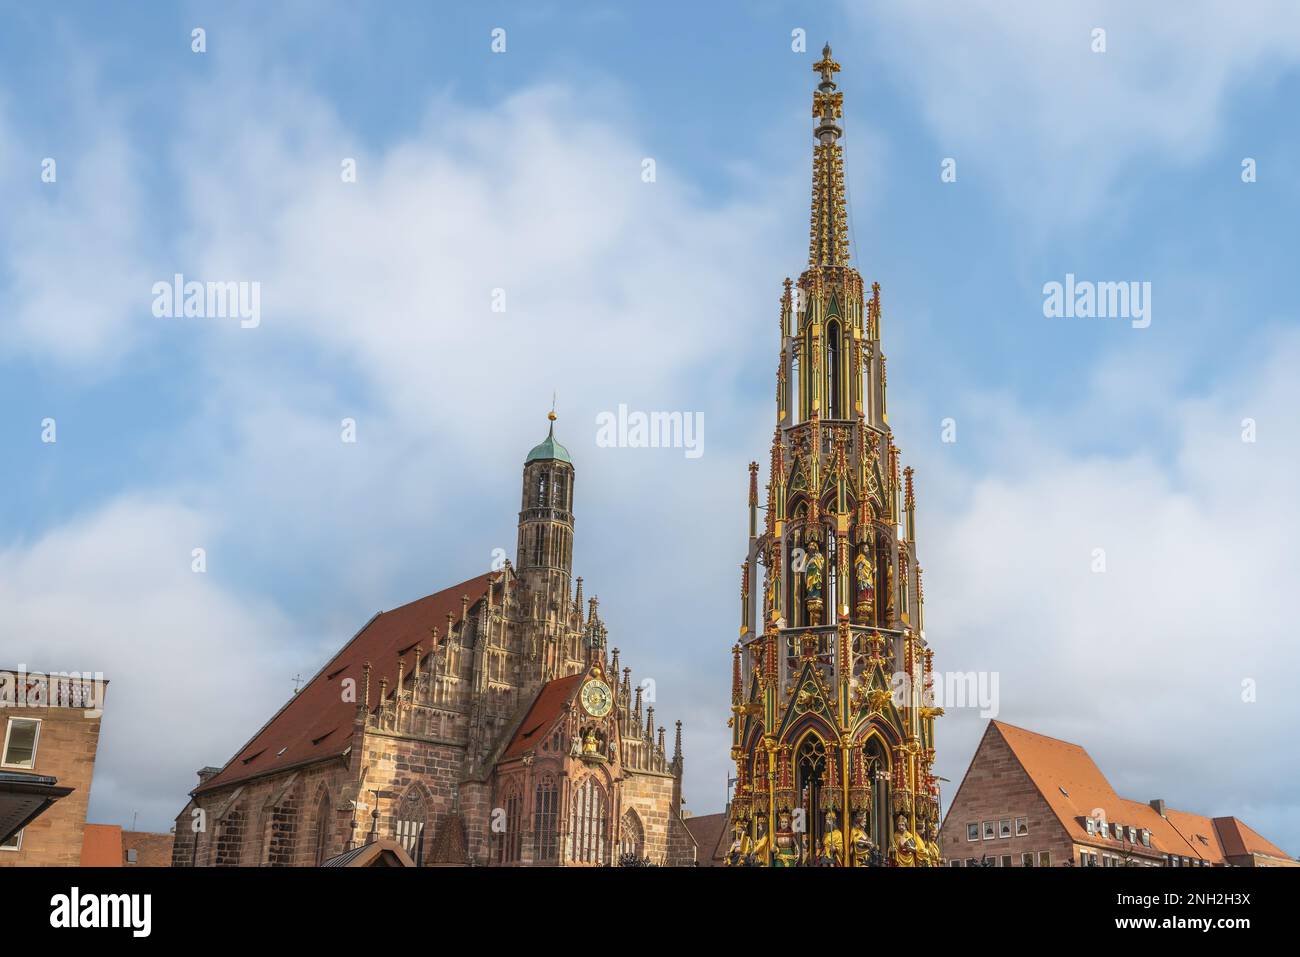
(1067, 778)
(547, 708)
(317, 722)
(1074, 787)
(1237, 838)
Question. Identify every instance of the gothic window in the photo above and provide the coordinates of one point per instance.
(810, 769)
(631, 836)
(323, 829)
(412, 816)
(546, 817)
(560, 501)
(230, 839)
(904, 605)
(832, 602)
(834, 408)
(511, 837)
(543, 489)
(537, 545)
(878, 774)
(588, 823)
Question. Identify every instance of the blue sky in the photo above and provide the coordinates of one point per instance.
(521, 171)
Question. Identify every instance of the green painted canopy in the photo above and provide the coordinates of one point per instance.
(550, 449)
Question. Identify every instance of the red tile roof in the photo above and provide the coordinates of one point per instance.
(1074, 788)
(316, 723)
(547, 708)
(1068, 779)
(710, 833)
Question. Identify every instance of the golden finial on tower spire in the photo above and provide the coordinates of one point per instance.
(828, 240)
(826, 66)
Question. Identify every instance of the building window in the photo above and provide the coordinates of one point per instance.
(972, 862)
(972, 832)
(21, 738)
(1022, 826)
(510, 840)
(989, 831)
(1006, 860)
(1004, 828)
(631, 838)
(1146, 838)
(955, 862)
(545, 817)
(589, 823)
(412, 815)
(1044, 858)
(14, 842)
(1027, 859)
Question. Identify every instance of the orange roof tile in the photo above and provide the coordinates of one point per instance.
(1074, 787)
(316, 723)
(101, 846)
(1066, 776)
(546, 709)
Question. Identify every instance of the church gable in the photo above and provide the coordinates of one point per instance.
(317, 722)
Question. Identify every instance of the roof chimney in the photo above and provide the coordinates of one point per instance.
(1158, 805)
(208, 772)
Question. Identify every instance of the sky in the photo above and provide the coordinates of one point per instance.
(516, 176)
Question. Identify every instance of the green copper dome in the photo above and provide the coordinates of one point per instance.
(550, 449)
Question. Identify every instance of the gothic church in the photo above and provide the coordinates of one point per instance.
(484, 724)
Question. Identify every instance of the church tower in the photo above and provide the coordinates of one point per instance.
(545, 554)
(832, 726)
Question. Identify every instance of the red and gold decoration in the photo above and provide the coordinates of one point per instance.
(832, 721)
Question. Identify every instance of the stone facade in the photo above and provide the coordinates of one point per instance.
(470, 740)
(66, 749)
(996, 789)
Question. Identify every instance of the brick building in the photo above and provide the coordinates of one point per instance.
(49, 738)
(1030, 800)
(108, 845)
(484, 724)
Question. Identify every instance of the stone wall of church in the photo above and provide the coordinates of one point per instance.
(424, 773)
(650, 795)
(290, 819)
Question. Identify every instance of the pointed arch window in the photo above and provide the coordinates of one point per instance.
(322, 829)
(834, 344)
(631, 836)
(511, 839)
(546, 818)
(588, 823)
(408, 830)
(560, 490)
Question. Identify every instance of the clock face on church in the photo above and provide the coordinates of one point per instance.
(597, 699)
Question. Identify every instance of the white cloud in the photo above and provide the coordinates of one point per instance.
(191, 666)
(1014, 91)
(1143, 664)
(74, 277)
